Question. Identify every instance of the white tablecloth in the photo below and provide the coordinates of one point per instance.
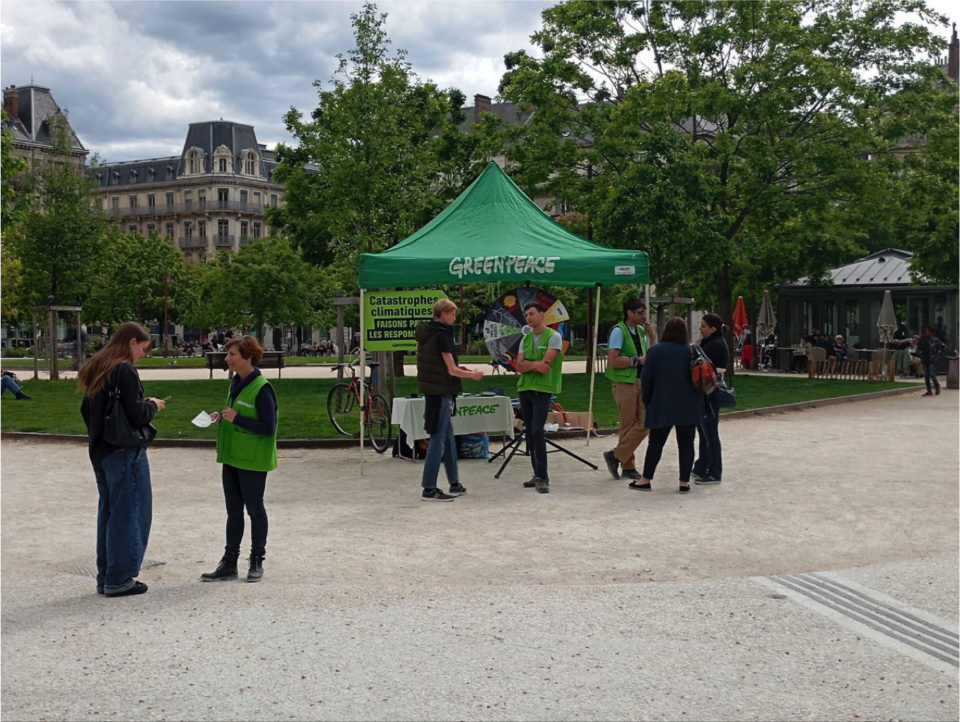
(474, 413)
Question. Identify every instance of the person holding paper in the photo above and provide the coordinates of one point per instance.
(247, 448)
(540, 365)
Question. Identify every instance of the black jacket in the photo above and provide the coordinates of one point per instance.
(93, 410)
(433, 378)
(715, 348)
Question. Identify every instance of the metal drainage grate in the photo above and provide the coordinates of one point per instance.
(83, 570)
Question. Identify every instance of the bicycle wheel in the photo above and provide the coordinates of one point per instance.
(378, 423)
(344, 411)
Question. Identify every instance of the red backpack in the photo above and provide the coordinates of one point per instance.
(702, 372)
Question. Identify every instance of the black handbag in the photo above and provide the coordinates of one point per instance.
(117, 429)
(727, 397)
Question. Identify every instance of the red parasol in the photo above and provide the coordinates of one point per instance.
(740, 321)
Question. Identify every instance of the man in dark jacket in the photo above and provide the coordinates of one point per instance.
(930, 349)
(708, 468)
(438, 379)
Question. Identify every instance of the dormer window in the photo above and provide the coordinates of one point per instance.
(169, 172)
(116, 176)
(223, 160)
(150, 174)
(194, 161)
(251, 163)
(133, 176)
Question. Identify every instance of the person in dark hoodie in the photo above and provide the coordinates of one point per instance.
(125, 511)
(247, 448)
(708, 468)
(438, 379)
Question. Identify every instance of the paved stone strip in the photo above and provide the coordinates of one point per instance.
(931, 639)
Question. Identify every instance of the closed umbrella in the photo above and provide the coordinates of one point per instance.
(767, 320)
(887, 323)
(740, 320)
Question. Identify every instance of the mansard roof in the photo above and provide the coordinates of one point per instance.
(36, 114)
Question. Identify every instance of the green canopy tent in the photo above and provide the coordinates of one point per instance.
(494, 232)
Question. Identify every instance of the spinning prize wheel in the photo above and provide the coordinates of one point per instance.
(503, 327)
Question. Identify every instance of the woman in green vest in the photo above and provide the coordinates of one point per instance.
(247, 448)
(540, 365)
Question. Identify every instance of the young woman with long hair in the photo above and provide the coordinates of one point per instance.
(123, 474)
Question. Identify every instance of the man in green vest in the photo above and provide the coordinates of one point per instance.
(540, 365)
(627, 350)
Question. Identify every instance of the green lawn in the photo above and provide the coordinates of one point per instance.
(200, 362)
(55, 407)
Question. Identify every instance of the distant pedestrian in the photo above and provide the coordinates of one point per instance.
(123, 473)
(247, 448)
(438, 379)
(540, 364)
(708, 468)
(627, 347)
(671, 401)
(930, 348)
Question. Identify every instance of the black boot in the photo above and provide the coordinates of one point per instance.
(226, 570)
(22, 396)
(256, 569)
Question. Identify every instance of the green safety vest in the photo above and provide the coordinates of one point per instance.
(629, 374)
(549, 382)
(241, 448)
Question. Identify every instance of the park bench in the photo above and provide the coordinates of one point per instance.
(271, 360)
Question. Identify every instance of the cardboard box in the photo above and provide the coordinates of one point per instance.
(574, 420)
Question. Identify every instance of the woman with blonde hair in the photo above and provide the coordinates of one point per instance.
(123, 473)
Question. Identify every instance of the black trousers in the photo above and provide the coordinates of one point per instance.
(244, 488)
(658, 437)
(534, 407)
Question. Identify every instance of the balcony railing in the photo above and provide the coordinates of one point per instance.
(244, 240)
(224, 240)
(205, 207)
(192, 242)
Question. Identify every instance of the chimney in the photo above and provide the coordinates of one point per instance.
(481, 104)
(953, 59)
(11, 102)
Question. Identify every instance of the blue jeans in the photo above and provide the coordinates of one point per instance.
(9, 383)
(710, 456)
(930, 376)
(123, 517)
(443, 447)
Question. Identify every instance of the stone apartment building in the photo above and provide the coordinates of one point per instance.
(211, 197)
(34, 119)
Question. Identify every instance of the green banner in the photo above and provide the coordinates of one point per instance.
(390, 318)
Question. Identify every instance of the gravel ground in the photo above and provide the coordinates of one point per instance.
(592, 602)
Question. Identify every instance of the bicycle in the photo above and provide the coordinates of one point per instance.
(343, 407)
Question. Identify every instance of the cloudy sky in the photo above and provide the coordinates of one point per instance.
(133, 75)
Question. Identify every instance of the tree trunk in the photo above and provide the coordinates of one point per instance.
(398, 359)
(725, 309)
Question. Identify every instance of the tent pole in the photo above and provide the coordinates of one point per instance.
(593, 366)
(363, 376)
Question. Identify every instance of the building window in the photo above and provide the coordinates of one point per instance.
(244, 229)
(169, 172)
(132, 228)
(169, 230)
(256, 198)
(187, 200)
(256, 230)
(243, 200)
(115, 202)
(150, 229)
(202, 229)
(223, 227)
(274, 200)
(188, 229)
(223, 195)
(170, 198)
(194, 161)
(133, 201)
(151, 200)
(116, 177)
(223, 165)
(151, 173)
(133, 176)
(202, 198)
(250, 163)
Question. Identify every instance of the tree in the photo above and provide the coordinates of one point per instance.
(265, 283)
(13, 205)
(379, 156)
(128, 283)
(778, 106)
(59, 240)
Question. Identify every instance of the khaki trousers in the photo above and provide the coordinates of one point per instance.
(632, 415)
